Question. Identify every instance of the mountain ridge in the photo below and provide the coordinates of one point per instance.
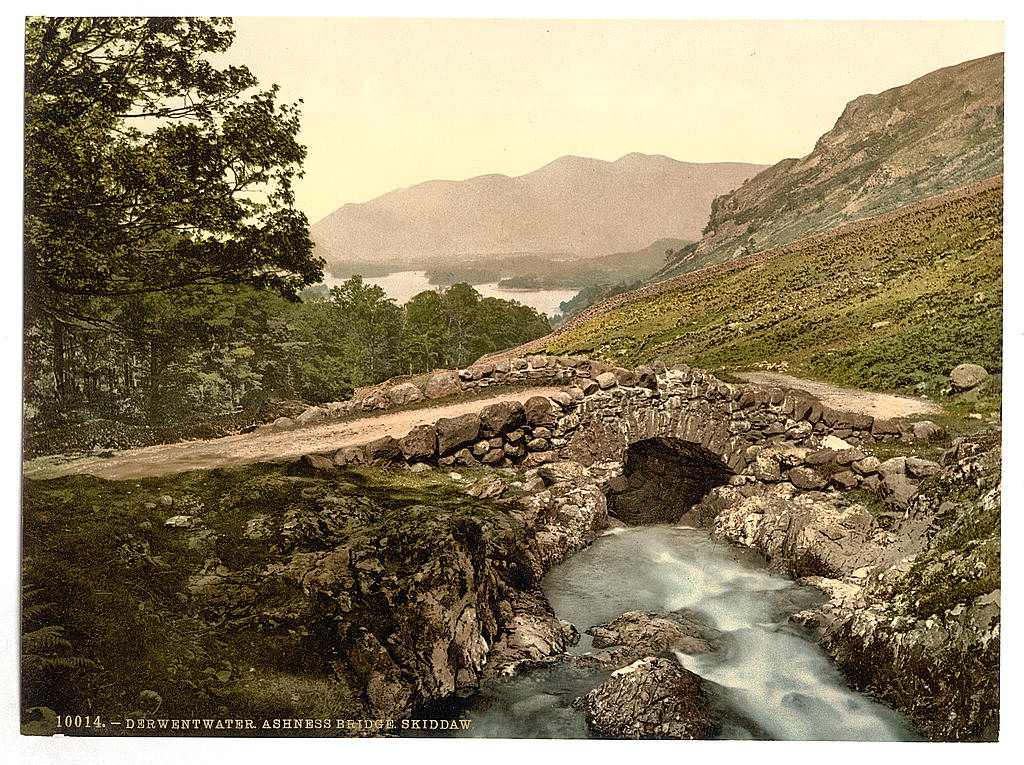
(577, 205)
(637, 297)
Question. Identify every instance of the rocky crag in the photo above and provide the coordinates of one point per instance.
(914, 613)
(942, 131)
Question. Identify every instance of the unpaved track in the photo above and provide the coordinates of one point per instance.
(881, 405)
(264, 445)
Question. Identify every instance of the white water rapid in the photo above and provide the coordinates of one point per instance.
(766, 678)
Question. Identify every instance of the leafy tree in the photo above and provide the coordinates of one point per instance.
(164, 258)
(153, 178)
(507, 323)
(425, 335)
(463, 323)
(372, 326)
(147, 168)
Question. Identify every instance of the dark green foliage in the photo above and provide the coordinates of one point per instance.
(589, 296)
(158, 208)
(921, 354)
(47, 656)
(147, 168)
(426, 337)
(166, 358)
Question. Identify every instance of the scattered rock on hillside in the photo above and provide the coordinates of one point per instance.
(646, 378)
(967, 376)
(419, 443)
(350, 455)
(453, 432)
(501, 417)
(897, 486)
(557, 472)
(376, 399)
(312, 465)
(919, 468)
(383, 449)
(538, 411)
(406, 393)
(312, 414)
(807, 478)
(443, 384)
(926, 430)
(488, 487)
(836, 444)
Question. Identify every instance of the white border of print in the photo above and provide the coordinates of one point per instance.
(83, 751)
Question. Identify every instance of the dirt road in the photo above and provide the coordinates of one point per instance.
(264, 445)
(881, 405)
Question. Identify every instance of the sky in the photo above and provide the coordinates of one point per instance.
(394, 102)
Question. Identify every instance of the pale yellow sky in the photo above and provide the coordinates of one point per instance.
(393, 102)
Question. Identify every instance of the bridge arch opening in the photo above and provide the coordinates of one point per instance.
(662, 479)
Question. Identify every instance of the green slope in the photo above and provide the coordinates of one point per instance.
(892, 305)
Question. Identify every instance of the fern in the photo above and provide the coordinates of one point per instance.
(46, 638)
(44, 648)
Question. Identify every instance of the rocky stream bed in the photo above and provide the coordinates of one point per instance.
(780, 582)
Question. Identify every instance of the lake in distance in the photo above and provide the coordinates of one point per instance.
(403, 285)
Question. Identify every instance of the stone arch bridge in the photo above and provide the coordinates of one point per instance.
(677, 432)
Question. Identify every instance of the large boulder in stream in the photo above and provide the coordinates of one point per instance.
(531, 634)
(649, 634)
(651, 698)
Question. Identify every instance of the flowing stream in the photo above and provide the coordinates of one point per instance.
(766, 678)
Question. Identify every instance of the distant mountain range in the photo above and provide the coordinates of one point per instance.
(940, 132)
(574, 205)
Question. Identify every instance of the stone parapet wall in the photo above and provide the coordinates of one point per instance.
(445, 383)
(747, 432)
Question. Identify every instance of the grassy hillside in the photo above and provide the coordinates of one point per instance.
(891, 305)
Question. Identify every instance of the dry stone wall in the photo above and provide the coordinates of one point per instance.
(445, 383)
(719, 432)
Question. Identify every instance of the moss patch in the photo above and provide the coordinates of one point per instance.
(104, 570)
